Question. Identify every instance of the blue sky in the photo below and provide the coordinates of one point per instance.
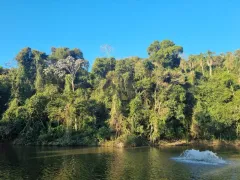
(129, 26)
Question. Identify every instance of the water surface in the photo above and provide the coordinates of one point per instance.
(144, 163)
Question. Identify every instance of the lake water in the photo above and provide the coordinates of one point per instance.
(143, 163)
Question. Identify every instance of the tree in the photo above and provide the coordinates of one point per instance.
(202, 62)
(216, 112)
(53, 99)
(153, 48)
(39, 58)
(165, 53)
(5, 90)
(68, 66)
(107, 49)
(210, 61)
(26, 73)
(116, 115)
(193, 61)
(64, 52)
(137, 116)
(102, 66)
(229, 61)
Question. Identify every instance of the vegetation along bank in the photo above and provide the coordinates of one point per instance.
(53, 99)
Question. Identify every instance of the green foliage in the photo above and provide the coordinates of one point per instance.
(166, 53)
(102, 66)
(64, 52)
(68, 86)
(40, 59)
(137, 115)
(36, 107)
(216, 113)
(131, 140)
(5, 91)
(54, 100)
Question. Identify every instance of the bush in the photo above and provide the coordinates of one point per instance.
(10, 130)
(103, 133)
(51, 135)
(131, 140)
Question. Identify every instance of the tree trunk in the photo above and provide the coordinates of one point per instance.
(73, 86)
(75, 124)
(202, 68)
(210, 68)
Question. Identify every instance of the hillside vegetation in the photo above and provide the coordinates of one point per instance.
(53, 99)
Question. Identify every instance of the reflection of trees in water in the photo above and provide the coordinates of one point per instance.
(79, 164)
(116, 164)
(23, 163)
(129, 164)
(9, 154)
(67, 168)
(88, 163)
(158, 161)
(9, 167)
(141, 164)
(100, 163)
(16, 163)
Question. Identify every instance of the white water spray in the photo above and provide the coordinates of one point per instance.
(200, 157)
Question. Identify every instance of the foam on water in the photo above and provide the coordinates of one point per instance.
(200, 157)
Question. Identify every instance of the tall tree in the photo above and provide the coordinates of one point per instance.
(102, 66)
(24, 86)
(68, 66)
(202, 62)
(210, 61)
(165, 53)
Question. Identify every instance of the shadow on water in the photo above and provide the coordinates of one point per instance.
(109, 163)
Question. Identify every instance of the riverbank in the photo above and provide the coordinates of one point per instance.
(209, 143)
(129, 141)
(162, 143)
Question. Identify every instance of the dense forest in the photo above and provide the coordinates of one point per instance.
(54, 99)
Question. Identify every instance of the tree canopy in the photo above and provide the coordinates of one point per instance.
(54, 99)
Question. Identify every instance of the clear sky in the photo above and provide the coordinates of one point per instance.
(127, 25)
